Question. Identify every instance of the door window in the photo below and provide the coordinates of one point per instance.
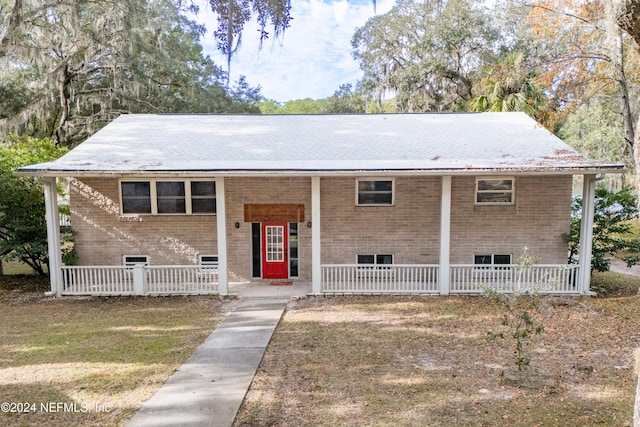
(274, 243)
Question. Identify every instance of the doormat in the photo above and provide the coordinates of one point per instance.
(281, 283)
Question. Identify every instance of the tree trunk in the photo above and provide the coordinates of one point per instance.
(64, 80)
(636, 162)
(11, 23)
(636, 406)
(629, 130)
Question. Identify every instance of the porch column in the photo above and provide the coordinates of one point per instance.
(316, 269)
(445, 235)
(221, 226)
(53, 235)
(586, 233)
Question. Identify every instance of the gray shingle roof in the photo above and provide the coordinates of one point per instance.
(425, 143)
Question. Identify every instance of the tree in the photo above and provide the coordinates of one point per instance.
(86, 62)
(345, 100)
(508, 86)
(519, 322)
(596, 130)
(270, 106)
(626, 15)
(24, 236)
(426, 52)
(581, 58)
(233, 14)
(612, 232)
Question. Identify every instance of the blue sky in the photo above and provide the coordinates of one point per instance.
(312, 59)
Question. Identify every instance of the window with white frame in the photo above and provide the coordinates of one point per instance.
(495, 191)
(374, 192)
(133, 260)
(173, 197)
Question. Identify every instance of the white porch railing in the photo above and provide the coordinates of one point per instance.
(464, 279)
(546, 279)
(395, 278)
(192, 279)
(139, 280)
(336, 278)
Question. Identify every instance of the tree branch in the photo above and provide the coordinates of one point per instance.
(567, 14)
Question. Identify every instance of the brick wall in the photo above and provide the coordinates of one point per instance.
(103, 236)
(264, 190)
(409, 230)
(538, 219)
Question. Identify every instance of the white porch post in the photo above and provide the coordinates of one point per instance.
(221, 225)
(316, 269)
(53, 235)
(445, 235)
(586, 233)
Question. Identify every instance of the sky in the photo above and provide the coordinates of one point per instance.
(312, 59)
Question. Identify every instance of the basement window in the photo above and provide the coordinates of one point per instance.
(375, 259)
(491, 260)
(208, 260)
(133, 260)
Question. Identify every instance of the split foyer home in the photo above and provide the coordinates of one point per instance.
(384, 203)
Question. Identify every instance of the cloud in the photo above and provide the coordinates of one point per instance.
(311, 60)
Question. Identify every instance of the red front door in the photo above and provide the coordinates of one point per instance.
(275, 263)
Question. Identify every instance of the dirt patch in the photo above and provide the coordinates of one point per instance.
(424, 361)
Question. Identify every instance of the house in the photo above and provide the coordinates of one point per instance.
(387, 203)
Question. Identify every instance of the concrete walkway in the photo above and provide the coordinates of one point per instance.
(209, 388)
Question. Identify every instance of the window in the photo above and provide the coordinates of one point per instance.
(256, 245)
(293, 249)
(161, 197)
(170, 197)
(495, 191)
(492, 259)
(375, 259)
(209, 260)
(133, 260)
(136, 197)
(274, 242)
(203, 197)
(374, 192)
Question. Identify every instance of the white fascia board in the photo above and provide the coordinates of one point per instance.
(308, 173)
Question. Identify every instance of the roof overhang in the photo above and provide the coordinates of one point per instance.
(604, 169)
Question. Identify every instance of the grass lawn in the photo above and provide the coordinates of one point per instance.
(611, 284)
(83, 352)
(354, 361)
(11, 267)
(424, 361)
